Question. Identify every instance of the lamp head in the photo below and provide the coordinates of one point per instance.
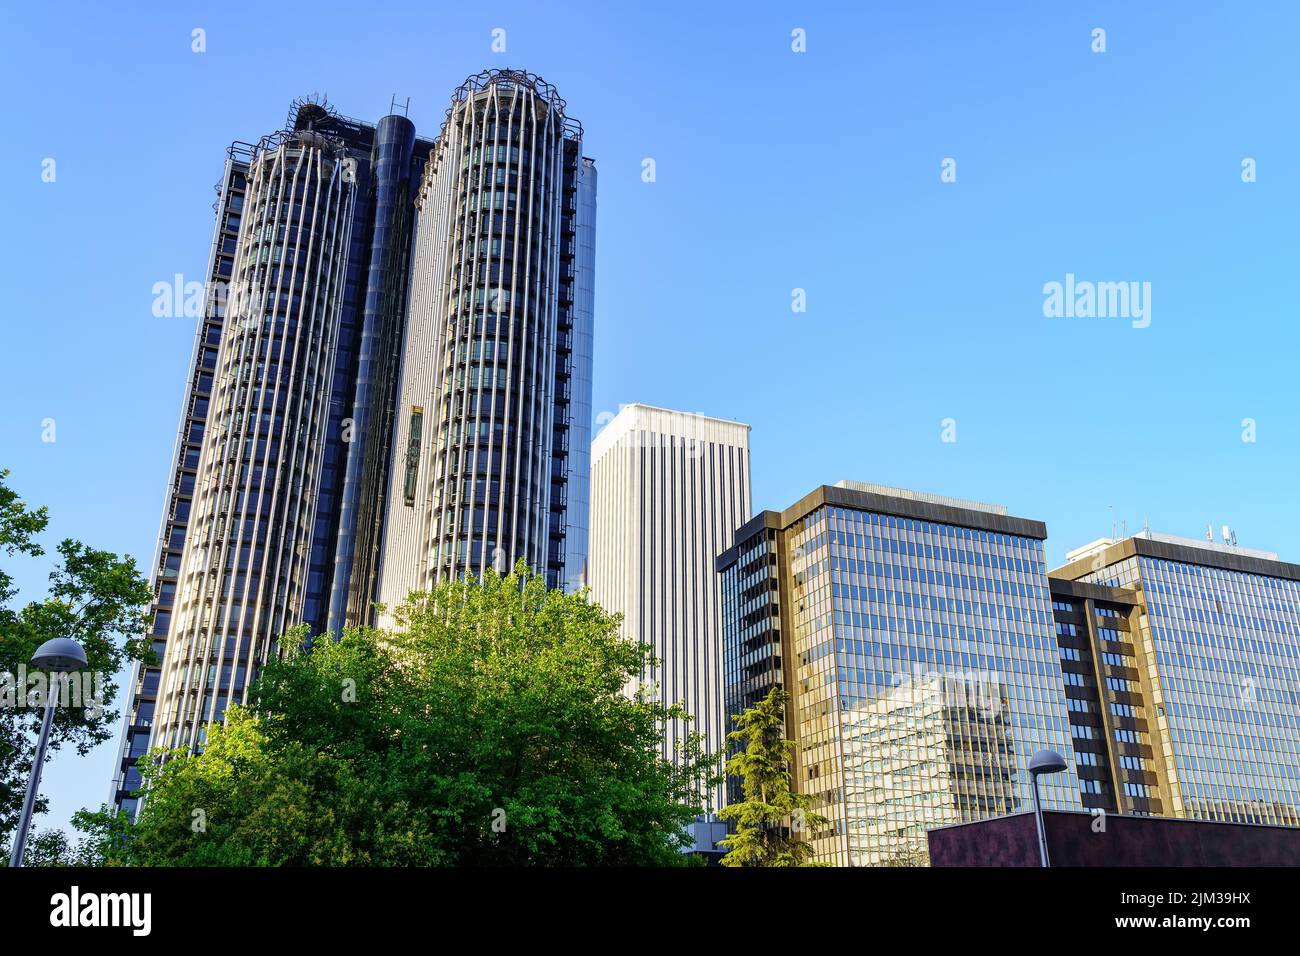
(60, 654)
(1046, 761)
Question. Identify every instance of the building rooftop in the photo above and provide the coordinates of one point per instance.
(967, 503)
(1167, 547)
(897, 502)
(1101, 544)
(667, 421)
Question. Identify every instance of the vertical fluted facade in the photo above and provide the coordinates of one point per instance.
(668, 489)
(245, 572)
(495, 383)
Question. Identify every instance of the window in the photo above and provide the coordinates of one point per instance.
(413, 454)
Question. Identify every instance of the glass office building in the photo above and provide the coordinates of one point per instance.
(494, 412)
(915, 636)
(285, 419)
(1216, 642)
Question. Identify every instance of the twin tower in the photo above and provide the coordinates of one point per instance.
(391, 386)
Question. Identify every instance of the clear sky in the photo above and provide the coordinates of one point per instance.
(774, 171)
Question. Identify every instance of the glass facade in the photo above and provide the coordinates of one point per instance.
(920, 656)
(146, 679)
(1221, 646)
(371, 386)
(283, 451)
(499, 348)
(751, 620)
(244, 579)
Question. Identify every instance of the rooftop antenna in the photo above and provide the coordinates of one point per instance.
(406, 107)
(1112, 521)
(1209, 532)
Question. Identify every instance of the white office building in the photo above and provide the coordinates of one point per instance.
(668, 490)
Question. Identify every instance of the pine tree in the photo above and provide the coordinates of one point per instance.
(771, 818)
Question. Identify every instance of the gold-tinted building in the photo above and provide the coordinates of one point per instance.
(915, 636)
(1186, 664)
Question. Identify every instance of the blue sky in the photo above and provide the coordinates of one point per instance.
(775, 171)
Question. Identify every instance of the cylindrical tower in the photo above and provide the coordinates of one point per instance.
(378, 351)
(484, 417)
(247, 551)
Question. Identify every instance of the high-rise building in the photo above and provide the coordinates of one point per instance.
(667, 490)
(1191, 676)
(274, 507)
(494, 409)
(914, 634)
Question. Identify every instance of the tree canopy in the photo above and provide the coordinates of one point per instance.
(489, 728)
(96, 598)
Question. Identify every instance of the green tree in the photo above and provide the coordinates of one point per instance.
(54, 848)
(771, 819)
(48, 848)
(95, 598)
(489, 728)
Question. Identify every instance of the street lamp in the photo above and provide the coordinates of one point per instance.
(59, 656)
(1045, 761)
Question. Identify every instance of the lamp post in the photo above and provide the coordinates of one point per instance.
(59, 656)
(1045, 761)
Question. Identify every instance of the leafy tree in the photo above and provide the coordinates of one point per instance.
(53, 848)
(48, 848)
(96, 598)
(771, 817)
(490, 728)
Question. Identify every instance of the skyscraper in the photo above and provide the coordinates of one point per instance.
(1193, 688)
(914, 635)
(271, 518)
(667, 490)
(494, 407)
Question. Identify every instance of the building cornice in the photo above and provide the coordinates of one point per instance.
(898, 507)
(1180, 553)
